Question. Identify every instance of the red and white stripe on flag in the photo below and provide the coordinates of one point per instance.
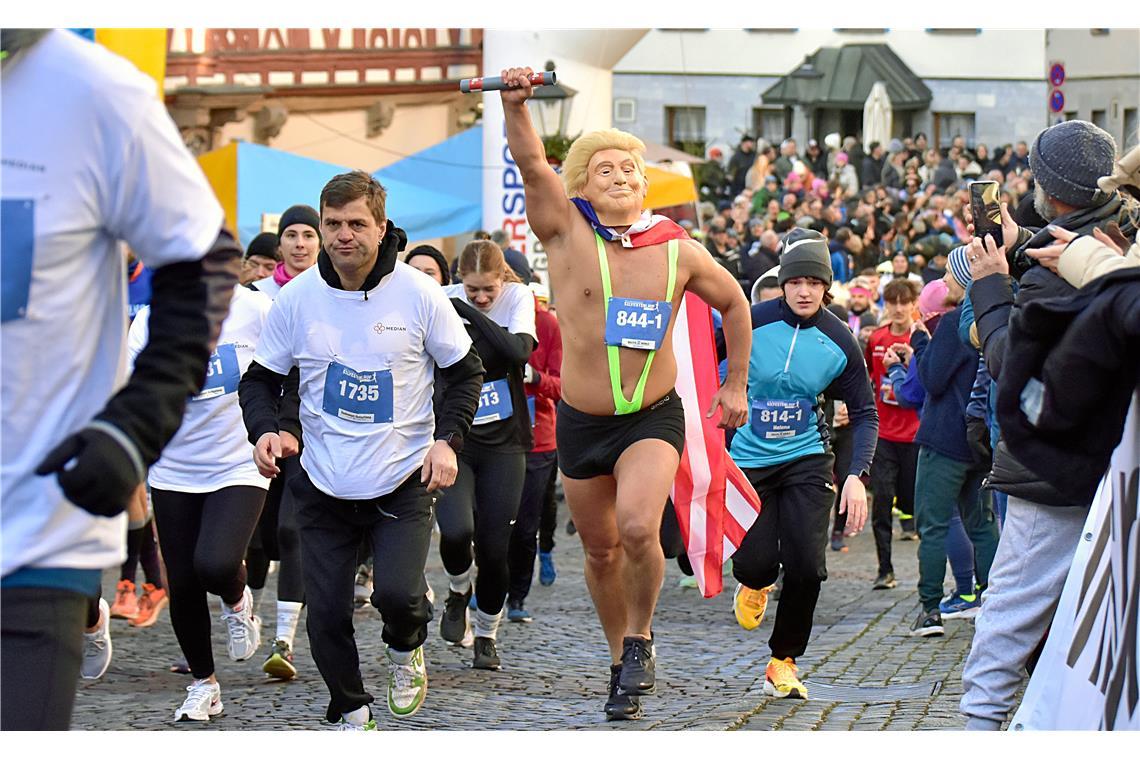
(715, 503)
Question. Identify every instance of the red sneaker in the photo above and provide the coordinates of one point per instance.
(152, 602)
(126, 606)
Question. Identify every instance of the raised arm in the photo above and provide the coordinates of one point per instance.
(547, 208)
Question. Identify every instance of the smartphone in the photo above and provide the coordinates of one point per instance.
(985, 208)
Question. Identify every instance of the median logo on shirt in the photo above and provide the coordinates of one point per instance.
(380, 328)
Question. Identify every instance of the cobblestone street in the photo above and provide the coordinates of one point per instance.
(862, 670)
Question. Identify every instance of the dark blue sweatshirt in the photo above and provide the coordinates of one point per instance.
(947, 369)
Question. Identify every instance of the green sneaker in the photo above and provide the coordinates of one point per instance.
(344, 725)
(407, 684)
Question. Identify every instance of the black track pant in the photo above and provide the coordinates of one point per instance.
(482, 505)
(842, 446)
(548, 521)
(42, 644)
(892, 477)
(203, 538)
(791, 532)
(278, 539)
(399, 527)
(524, 538)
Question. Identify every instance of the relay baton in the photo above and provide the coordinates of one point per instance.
(486, 84)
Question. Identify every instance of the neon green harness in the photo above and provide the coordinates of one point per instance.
(621, 404)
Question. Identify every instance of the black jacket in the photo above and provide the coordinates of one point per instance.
(994, 306)
(1073, 364)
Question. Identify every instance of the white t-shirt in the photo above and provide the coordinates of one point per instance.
(366, 371)
(211, 450)
(513, 309)
(268, 286)
(90, 157)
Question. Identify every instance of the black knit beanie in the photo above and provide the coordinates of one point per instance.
(299, 214)
(427, 250)
(1068, 158)
(265, 245)
(804, 253)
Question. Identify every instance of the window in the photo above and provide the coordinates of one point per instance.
(1099, 32)
(685, 128)
(1098, 118)
(1070, 115)
(770, 124)
(1131, 138)
(946, 125)
(625, 110)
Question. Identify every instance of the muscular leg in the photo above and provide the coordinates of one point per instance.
(644, 474)
(591, 504)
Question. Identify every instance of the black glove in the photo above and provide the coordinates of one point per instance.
(102, 474)
(978, 436)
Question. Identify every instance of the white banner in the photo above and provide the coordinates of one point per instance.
(1089, 673)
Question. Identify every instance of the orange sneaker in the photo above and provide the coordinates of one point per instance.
(126, 605)
(750, 604)
(781, 679)
(152, 602)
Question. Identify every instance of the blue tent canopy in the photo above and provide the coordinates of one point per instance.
(453, 168)
(270, 181)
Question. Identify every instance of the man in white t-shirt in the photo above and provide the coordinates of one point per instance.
(90, 157)
(366, 331)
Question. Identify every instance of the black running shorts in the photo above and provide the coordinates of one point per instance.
(589, 446)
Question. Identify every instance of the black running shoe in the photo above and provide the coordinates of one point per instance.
(927, 624)
(486, 655)
(621, 706)
(637, 677)
(453, 626)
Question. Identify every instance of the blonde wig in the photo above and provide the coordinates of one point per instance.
(583, 149)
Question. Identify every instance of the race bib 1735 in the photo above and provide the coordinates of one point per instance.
(364, 397)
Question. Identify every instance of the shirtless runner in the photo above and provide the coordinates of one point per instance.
(619, 442)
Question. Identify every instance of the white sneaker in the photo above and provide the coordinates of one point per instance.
(202, 703)
(407, 684)
(97, 646)
(244, 628)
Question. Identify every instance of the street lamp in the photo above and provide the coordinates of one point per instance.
(550, 107)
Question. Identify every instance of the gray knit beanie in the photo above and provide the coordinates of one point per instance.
(1068, 158)
(804, 253)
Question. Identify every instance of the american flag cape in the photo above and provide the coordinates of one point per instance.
(715, 503)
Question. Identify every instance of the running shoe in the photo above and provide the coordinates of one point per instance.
(126, 605)
(362, 589)
(486, 654)
(181, 667)
(202, 703)
(927, 624)
(637, 667)
(153, 601)
(687, 581)
(454, 626)
(279, 663)
(517, 614)
(960, 606)
(546, 571)
(97, 646)
(407, 684)
(621, 706)
(346, 725)
(908, 535)
(837, 543)
(781, 679)
(750, 604)
(243, 628)
(885, 581)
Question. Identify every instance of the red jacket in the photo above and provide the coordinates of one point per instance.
(896, 423)
(547, 361)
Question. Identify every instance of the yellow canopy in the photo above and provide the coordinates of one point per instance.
(668, 188)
